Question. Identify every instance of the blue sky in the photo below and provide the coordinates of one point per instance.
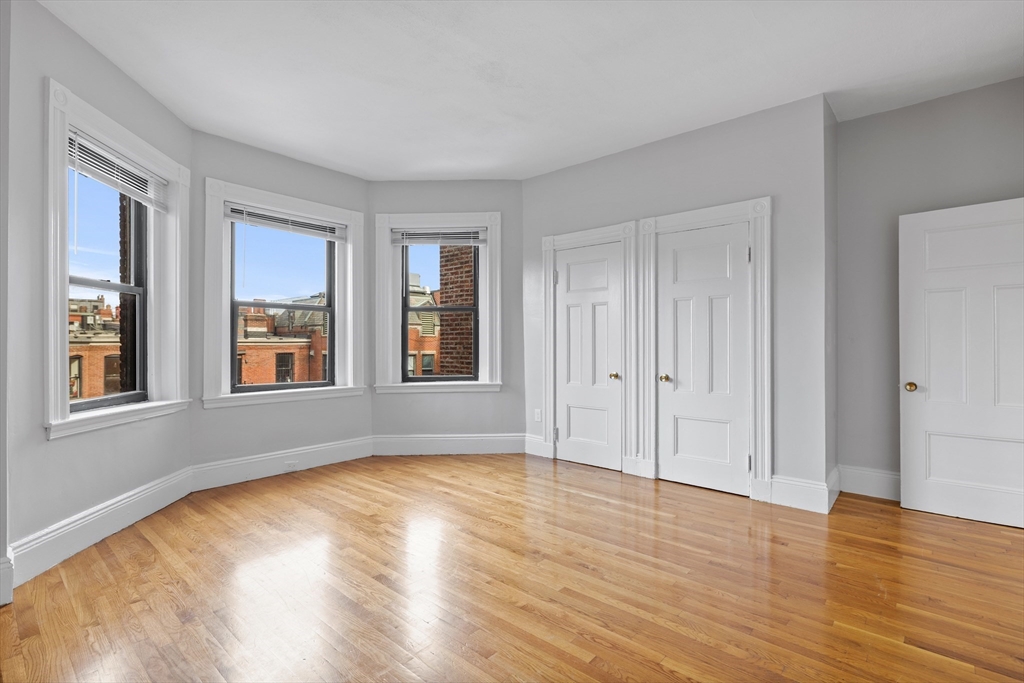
(97, 250)
(269, 264)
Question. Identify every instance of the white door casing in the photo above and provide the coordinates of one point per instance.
(962, 345)
(703, 357)
(756, 214)
(588, 358)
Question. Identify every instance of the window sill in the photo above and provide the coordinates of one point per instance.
(101, 418)
(258, 398)
(437, 388)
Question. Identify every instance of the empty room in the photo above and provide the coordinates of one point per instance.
(511, 341)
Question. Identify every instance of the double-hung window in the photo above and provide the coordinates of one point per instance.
(109, 207)
(116, 273)
(440, 315)
(438, 323)
(283, 312)
(282, 298)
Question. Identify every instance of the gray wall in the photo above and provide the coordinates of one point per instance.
(238, 431)
(958, 150)
(487, 413)
(777, 152)
(52, 480)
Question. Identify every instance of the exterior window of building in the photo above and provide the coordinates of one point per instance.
(440, 313)
(106, 314)
(284, 367)
(112, 375)
(283, 300)
(75, 377)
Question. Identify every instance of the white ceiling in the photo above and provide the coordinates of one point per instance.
(451, 90)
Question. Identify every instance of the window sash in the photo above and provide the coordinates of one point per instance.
(328, 309)
(139, 216)
(407, 309)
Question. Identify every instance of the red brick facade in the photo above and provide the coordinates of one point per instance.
(86, 366)
(93, 336)
(265, 338)
(458, 287)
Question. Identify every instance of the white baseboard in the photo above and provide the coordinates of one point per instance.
(761, 490)
(802, 493)
(448, 444)
(35, 554)
(234, 471)
(868, 481)
(832, 484)
(535, 445)
(639, 467)
(6, 579)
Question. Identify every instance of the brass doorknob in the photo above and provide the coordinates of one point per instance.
(613, 375)
(910, 386)
(664, 378)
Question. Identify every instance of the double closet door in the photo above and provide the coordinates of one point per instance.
(702, 409)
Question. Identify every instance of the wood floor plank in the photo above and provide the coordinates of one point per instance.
(516, 568)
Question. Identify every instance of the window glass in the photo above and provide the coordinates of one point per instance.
(75, 377)
(98, 230)
(440, 321)
(103, 325)
(112, 374)
(281, 308)
(276, 265)
(280, 345)
(106, 291)
(284, 367)
(441, 275)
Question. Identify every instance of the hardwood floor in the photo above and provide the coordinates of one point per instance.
(479, 568)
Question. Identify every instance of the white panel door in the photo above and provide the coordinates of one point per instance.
(588, 358)
(703, 357)
(962, 362)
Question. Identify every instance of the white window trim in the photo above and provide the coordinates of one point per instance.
(348, 346)
(389, 310)
(167, 322)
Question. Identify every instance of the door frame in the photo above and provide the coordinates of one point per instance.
(624, 233)
(757, 213)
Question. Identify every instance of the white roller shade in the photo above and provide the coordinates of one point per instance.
(444, 236)
(252, 215)
(91, 158)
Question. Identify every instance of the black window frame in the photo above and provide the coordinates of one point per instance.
(139, 219)
(328, 308)
(407, 309)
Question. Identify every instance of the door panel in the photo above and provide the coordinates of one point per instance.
(703, 341)
(588, 349)
(962, 345)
